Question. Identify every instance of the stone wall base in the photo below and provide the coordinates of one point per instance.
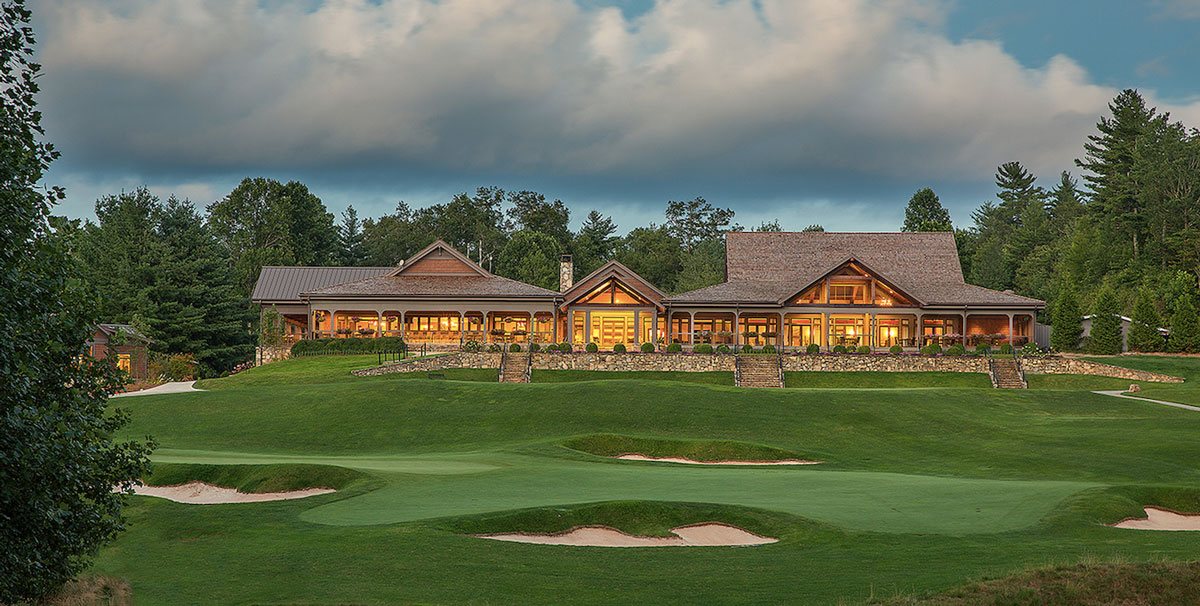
(689, 362)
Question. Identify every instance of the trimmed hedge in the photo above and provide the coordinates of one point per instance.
(674, 348)
(723, 348)
(514, 348)
(768, 349)
(839, 349)
(647, 347)
(895, 349)
(353, 345)
(931, 349)
(955, 350)
(703, 348)
(747, 348)
(619, 348)
(592, 348)
(864, 349)
(1006, 348)
(813, 348)
(565, 347)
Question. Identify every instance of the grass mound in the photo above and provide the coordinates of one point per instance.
(613, 445)
(255, 478)
(642, 518)
(1085, 584)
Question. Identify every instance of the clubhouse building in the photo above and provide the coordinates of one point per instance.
(787, 289)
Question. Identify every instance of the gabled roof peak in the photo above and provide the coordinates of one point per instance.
(439, 249)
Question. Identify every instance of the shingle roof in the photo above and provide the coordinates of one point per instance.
(427, 286)
(277, 283)
(771, 266)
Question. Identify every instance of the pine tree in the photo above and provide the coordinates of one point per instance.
(1105, 338)
(925, 213)
(349, 239)
(1065, 203)
(1110, 158)
(1185, 328)
(594, 243)
(1067, 323)
(1143, 332)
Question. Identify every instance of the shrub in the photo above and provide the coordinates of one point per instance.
(674, 348)
(839, 349)
(514, 348)
(864, 349)
(955, 350)
(493, 348)
(747, 348)
(895, 349)
(931, 350)
(723, 348)
(592, 348)
(647, 347)
(535, 347)
(813, 348)
(983, 349)
(565, 347)
(1031, 350)
(619, 348)
(768, 349)
(703, 348)
(1006, 348)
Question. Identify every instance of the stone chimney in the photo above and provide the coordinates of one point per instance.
(566, 273)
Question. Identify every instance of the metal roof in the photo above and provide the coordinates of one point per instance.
(279, 283)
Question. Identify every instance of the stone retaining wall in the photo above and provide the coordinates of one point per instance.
(689, 362)
(1071, 366)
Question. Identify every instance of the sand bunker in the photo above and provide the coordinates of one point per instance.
(199, 493)
(1162, 519)
(708, 534)
(640, 457)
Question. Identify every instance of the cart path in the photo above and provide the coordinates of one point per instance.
(1117, 393)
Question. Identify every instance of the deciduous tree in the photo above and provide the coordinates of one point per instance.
(59, 460)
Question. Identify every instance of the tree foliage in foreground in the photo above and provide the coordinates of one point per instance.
(58, 462)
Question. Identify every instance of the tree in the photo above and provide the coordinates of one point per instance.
(814, 227)
(1067, 324)
(594, 243)
(472, 224)
(393, 238)
(1185, 328)
(119, 252)
(1066, 203)
(925, 213)
(1143, 331)
(696, 220)
(530, 257)
(265, 222)
(349, 239)
(769, 226)
(60, 463)
(1110, 157)
(1105, 337)
(703, 266)
(653, 253)
(530, 211)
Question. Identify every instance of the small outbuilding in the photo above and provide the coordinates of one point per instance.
(124, 346)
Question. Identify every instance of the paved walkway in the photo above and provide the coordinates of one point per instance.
(172, 387)
(1121, 394)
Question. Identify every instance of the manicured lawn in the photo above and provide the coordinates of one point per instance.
(1187, 392)
(921, 489)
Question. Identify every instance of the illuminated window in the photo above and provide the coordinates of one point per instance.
(125, 362)
(612, 292)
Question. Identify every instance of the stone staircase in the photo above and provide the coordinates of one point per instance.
(759, 370)
(1006, 373)
(514, 367)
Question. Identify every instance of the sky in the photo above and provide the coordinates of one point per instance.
(829, 112)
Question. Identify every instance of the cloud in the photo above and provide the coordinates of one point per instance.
(745, 88)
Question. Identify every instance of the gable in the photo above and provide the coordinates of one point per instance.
(439, 259)
(619, 281)
(613, 292)
(852, 283)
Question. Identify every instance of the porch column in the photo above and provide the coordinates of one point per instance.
(825, 323)
(1010, 330)
(874, 337)
(378, 323)
(310, 322)
(779, 338)
(691, 329)
(403, 324)
(919, 338)
(587, 327)
(654, 328)
(461, 329)
(554, 330)
(737, 329)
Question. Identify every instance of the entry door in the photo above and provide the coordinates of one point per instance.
(612, 331)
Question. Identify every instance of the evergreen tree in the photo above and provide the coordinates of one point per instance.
(594, 244)
(1110, 157)
(1143, 332)
(119, 252)
(814, 227)
(1105, 337)
(1067, 323)
(1065, 203)
(60, 462)
(349, 238)
(1017, 189)
(769, 226)
(1185, 328)
(925, 213)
